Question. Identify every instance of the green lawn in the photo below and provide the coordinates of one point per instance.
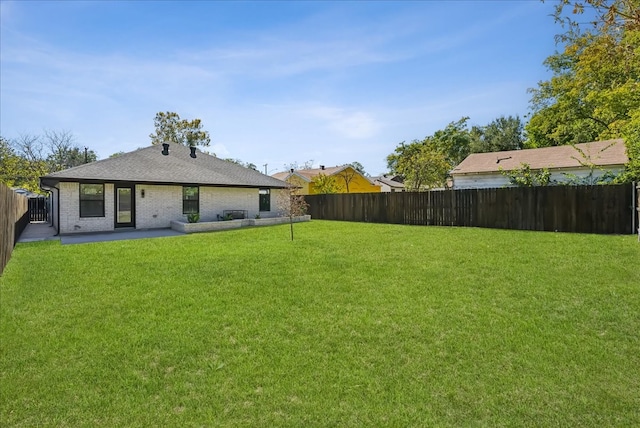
(349, 325)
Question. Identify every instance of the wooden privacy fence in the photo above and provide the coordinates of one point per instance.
(582, 209)
(14, 217)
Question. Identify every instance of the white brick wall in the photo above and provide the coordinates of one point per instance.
(214, 200)
(160, 205)
(70, 220)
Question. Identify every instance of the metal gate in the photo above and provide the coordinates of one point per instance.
(38, 209)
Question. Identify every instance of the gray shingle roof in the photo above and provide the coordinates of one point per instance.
(149, 165)
(388, 181)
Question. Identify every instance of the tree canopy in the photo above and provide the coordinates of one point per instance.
(171, 129)
(503, 133)
(425, 164)
(325, 184)
(25, 159)
(358, 167)
(595, 88)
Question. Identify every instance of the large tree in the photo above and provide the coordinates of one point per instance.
(13, 168)
(358, 167)
(631, 135)
(420, 165)
(57, 149)
(28, 157)
(425, 164)
(171, 129)
(596, 73)
(453, 142)
(503, 133)
(64, 152)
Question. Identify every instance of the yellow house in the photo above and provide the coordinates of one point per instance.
(337, 179)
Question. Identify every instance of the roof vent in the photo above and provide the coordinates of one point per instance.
(165, 149)
(322, 167)
(291, 170)
(193, 152)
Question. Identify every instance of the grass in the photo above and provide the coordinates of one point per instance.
(349, 325)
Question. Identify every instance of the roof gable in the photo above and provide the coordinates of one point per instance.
(149, 165)
(600, 153)
(286, 175)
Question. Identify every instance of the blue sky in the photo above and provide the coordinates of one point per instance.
(273, 82)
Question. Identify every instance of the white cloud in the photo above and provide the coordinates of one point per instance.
(349, 124)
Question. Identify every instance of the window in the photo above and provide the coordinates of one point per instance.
(91, 200)
(190, 200)
(265, 199)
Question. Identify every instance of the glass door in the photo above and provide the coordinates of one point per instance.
(125, 205)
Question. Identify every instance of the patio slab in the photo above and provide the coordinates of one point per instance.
(117, 236)
(40, 231)
(43, 232)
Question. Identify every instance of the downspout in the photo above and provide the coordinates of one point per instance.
(57, 210)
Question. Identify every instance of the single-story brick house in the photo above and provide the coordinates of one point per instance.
(150, 187)
(587, 161)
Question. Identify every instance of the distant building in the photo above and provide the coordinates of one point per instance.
(347, 179)
(389, 183)
(25, 192)
(586, 161)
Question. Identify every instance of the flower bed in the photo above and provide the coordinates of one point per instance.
(210, 226)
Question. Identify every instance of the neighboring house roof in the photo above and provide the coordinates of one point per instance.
(309, 174)
(25, 192)
(600, 153)
(149, 165)
(389, 181)
(285, 176)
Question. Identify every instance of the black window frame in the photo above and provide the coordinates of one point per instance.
(87, 205)
(189, 203)
(264, 200)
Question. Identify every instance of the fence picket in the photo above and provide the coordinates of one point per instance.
(581, 209)
(13, 218)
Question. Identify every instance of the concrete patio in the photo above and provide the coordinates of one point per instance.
(43, 232)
